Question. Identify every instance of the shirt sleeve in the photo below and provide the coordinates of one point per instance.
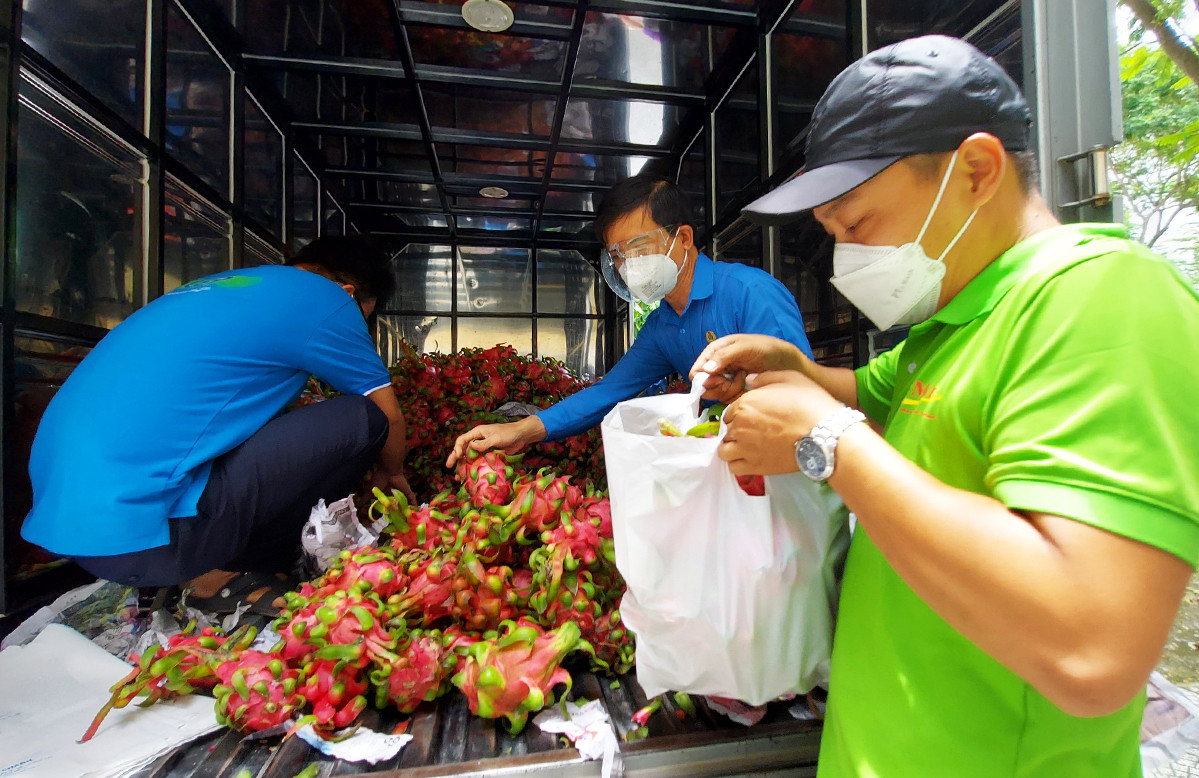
(876, 385)
(341, 353)
(1093, 416)
(642, 365)
(767, 308)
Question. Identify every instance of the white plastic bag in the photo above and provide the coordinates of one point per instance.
(728, 594)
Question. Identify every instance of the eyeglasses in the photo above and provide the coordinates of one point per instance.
(637, 246)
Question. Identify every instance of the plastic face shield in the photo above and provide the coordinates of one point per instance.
(613, 256)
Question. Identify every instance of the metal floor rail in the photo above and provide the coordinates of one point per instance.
(448, 740)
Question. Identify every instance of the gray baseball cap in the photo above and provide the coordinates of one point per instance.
(917, 96)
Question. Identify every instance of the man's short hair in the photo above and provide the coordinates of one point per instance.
(355, 259)
(1024, 165)
(665, 200)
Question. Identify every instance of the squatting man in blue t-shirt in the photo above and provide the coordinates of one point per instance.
(650, 255)
(165, 460)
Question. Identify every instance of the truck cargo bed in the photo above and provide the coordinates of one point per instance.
(448, 740)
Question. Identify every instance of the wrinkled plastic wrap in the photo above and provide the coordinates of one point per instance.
(728, 594)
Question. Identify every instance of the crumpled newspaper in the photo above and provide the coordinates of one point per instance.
(331, 529)
(365, 745)
(586, 726)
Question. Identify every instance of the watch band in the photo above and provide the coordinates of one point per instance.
(815, 453)
(832, 426)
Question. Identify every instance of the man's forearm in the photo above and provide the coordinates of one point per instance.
(396, 448)
(840, 382)
(391, 458)
(1078, 612)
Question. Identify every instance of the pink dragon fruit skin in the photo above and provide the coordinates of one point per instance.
(598, 511)
(488, 477)
(369, 568)
(429, 596)
(257, 691)
(335, 689)
(483, 597)
(349, 621)
(418, 673)
(514, 674)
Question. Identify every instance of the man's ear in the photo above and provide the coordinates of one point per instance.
(986, 163)
(685, 237)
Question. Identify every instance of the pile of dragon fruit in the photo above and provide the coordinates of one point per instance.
(444, 395)
(486, 589)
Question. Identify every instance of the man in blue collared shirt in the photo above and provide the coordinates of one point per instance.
(650, 255)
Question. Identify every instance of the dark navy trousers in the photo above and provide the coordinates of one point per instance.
(260, 494)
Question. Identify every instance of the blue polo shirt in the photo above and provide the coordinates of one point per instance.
(129, 439)
(726, 298)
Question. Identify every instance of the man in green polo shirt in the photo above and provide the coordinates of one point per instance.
(1028, 517)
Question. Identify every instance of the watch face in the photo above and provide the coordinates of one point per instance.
(811, 458)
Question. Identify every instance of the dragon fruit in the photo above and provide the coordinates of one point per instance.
(487, 478)
(538, 504)
(612, 643)
(482, 596)
(419, 672)
(335, 688)
(429, 527)
(257, 691)
(457, 642)
(582, 540)
(515, 673)
(597, 510)
(187, 664)
(428, 598)
(368, 569)
(487, 534)
(349, 620)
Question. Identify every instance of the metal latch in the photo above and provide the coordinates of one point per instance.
(1090, 179)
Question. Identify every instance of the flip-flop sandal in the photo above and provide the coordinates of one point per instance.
(233, 594)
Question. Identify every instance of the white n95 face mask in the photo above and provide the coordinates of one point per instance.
(650, 277)
(895, 284)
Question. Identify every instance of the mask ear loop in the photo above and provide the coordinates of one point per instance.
(936, 202)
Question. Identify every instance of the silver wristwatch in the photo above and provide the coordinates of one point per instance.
(815, 452)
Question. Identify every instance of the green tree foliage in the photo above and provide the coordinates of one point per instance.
(641, 312)
(1156, 168)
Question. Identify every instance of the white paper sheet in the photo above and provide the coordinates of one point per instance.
(51, 689)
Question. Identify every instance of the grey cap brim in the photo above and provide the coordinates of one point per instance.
(812, 188)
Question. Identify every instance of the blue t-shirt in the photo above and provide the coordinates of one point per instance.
(726, 298)
(129, 439)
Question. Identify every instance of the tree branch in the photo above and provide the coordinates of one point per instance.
(1181, 52)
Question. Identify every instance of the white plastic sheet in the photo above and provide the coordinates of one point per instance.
(728, 594)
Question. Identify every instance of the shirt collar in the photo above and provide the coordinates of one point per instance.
(703, 281)
(1009, 268)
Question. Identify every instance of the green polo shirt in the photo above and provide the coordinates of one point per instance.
(1060, 380)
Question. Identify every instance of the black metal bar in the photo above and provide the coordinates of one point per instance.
(8, 222)
(382, 68)
(568, 75)
(409, 132)
(396, 12)
(342, 66)
(153, 255)
(515, 185)
(43, 70)
(693, 13)
(501, 239)
(237, 129)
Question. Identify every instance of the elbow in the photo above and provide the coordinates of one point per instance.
(1088, 687)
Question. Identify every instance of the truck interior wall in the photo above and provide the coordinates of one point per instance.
(151, 142)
